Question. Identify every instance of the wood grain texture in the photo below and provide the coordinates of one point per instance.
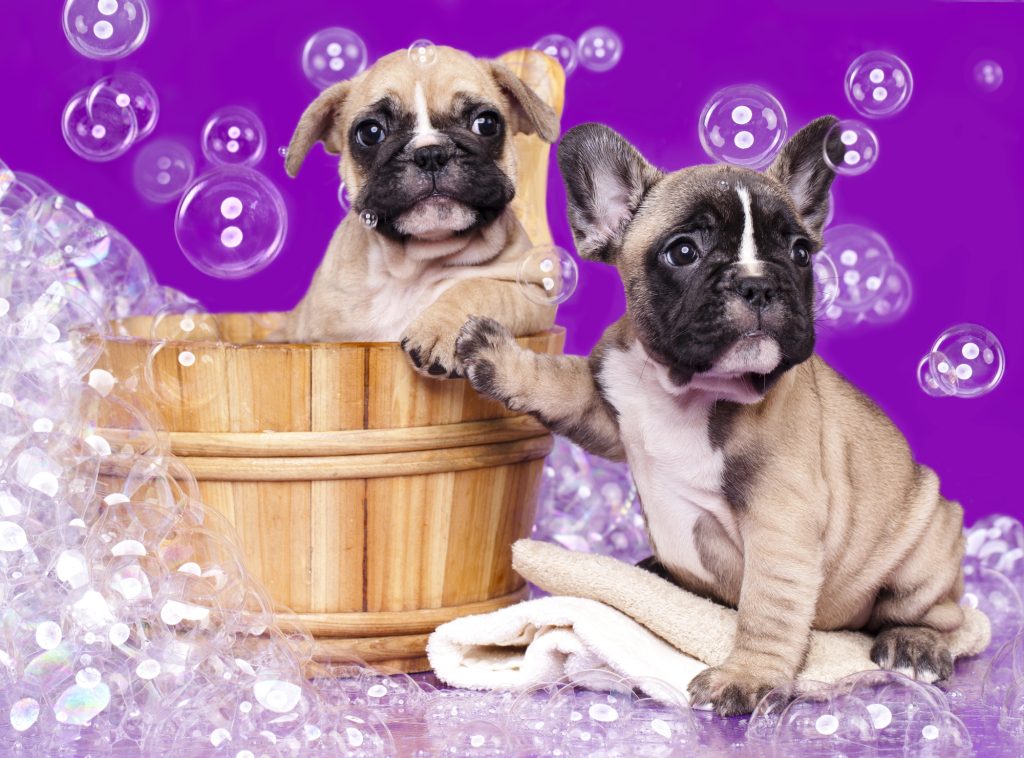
(371, 502)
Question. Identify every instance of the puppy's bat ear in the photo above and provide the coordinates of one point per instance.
(317, 123)
(606, 179)
(802, 169)
(530, 114)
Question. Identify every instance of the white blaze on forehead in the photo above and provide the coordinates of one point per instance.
(422, 114)
(425, 132)
(748, 250)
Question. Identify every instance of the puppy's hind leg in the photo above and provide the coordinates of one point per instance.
(920, 603)
(558, 390)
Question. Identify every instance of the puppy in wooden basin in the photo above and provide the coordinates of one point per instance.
(429, 162)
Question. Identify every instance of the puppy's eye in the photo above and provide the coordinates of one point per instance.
(370, 133)
(680, 252)
(801, 254)
(486, 124)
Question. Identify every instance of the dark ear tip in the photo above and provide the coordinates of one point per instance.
(833, 145)
(574, 140)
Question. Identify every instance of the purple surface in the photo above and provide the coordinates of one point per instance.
(945, 192)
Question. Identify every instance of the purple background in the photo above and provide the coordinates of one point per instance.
(946, 192)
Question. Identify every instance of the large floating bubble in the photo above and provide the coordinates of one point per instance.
(599, 49)
(163, 169)
(878, 84)
(862, 258)
(333, 55)
(561, 48)
(129, 90)
(860, 147)
(231, 223)
(106, 29)
(975, 358)
(423, 53)
(743, 125)
(548, 275)
(234, 136)
(97, 128)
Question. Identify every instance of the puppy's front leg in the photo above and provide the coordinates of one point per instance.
(782, 574)
(558, 390)
(430, 339)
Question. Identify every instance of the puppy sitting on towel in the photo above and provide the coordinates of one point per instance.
(768, 482)
(426, 151)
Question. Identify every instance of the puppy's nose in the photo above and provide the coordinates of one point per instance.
(756, 290)
(431, 157)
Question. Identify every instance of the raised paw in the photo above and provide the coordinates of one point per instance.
(431, 349)
(479, 349)
(730, 690)
(916, 651)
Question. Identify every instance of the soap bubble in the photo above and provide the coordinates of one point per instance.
(743, 125)
(181, 369)
(479, 738)
(988, 75)
(1004, 671)
(878, 84)
(976, 356)
(936, 375)
(561, 48)
(861, 257)
(599, 49)
(369, 219)
(994, 595)
(343, 199)
(893, 703)
(50, 325)
(894, 295)
(98, 129)
(129, 90)
(106, 29)
(39, 186)
(826, 282)
(231, 223)
(937, 734)
(332, 55)
(827, 722)
(860, 147)
(234, 136)
(7, 178)
(163, 169)
(24, 713)
(548, 275)
(423, 52)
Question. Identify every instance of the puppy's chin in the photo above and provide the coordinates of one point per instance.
(731, 376)
(753, 354)
(435, 218)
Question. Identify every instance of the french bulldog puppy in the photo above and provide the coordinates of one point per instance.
(428, 151)
(768, 482)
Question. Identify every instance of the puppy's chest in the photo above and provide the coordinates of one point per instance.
(677, 470)
(395, 302)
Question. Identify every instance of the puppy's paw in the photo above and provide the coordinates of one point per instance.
(730, 690)
(430, 346)
(915, 651)
(481, 346)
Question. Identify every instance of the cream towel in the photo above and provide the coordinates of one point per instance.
(606, 615)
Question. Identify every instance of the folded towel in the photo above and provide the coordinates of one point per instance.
(605, 615)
